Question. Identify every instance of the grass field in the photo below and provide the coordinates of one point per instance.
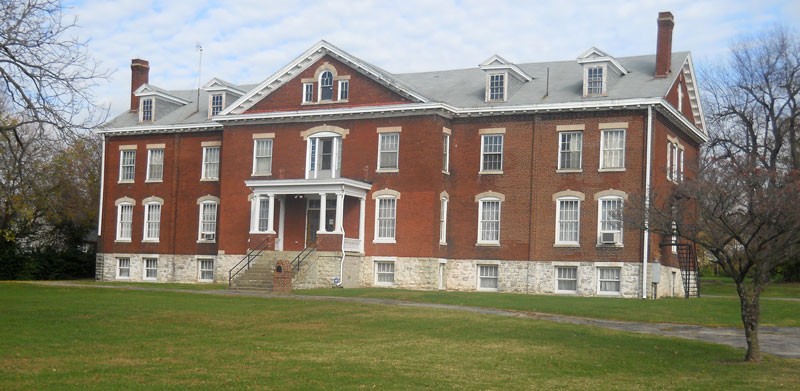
(92, 338)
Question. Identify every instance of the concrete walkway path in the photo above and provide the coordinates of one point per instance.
(779, 341)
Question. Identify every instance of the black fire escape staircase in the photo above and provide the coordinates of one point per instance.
(690, 270)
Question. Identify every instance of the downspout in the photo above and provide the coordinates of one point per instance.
(102, 185)
(341, 264)
(648, 168)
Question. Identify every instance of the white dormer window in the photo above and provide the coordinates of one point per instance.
(595, 81)
(496, 90)
(146, 110)
(217, 102)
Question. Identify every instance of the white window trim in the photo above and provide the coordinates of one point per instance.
(130, 267)
(580, 163)
(382, 132)
(200, 270)
(492, 132)
(319, 85)
(609, 293)
(478, 277)
(208, 200)
(489, 197)
(556, 279)
(489, 86)
(122, 150)
(446, 151)
(203, 175)
(560, 243)
(386, 260)
(603, 132)
(256, 139)
(621, 233)
(604, 81)
(144, 268)
(119, 203)
(444, 201)
(340, 89)
(675, 160)
(255, 214)
(211, 103)
(305, 98)
(152, 109)
(147, 204)
(385, 195)
(150, 150)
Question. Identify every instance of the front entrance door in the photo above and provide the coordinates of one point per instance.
(312, 226)
(312, 219)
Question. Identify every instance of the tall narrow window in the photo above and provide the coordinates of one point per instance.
(492, 153)
(308, 92)
(489, 221)
(594, 81)
(147, 110)
(610, 221)
(205, 270)
(569, 153)
(612, 155)
(326, 86)
(152, 222)
(155, 165)
(216, 104)
(487, 277)
(680, 164)
(443, 220)
(124, 221)
(208, 221)
(263, 214)
(568, 221)
(497, 87)
(124, 268)
(210, 163)
(127, 165)
(344, 89)
(150, 269)
(262, 157)
(670, 159)
(388, 151)
(386, 219)
(446, 153)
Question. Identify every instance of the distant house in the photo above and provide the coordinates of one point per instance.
(504, 177)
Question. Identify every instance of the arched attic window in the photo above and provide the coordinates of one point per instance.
(326, 85)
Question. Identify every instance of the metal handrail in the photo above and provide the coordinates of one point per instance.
(298, 260)
(252, 255)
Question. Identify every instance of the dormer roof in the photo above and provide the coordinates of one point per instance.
(147, 90)
(595, 55)
(217, 84)
(496, 62)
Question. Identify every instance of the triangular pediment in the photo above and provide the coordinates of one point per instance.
(595, 55)
(217, 84)
(146, 90)
(308, 59)
(496, 62)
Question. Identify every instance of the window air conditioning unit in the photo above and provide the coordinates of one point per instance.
(608, 238)
(207, 236)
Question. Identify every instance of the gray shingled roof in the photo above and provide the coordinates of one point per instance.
(465, 88)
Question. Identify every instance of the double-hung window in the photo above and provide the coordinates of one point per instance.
(384, 273)
(344, 89)
(147, 110)
(308, 92)
(489, 221)
(388, 151)
(208, 221)
(386, 219)
(594, 81)
(612, 154)
(570, 146)
(443, 201)
(205, 270)
(497, 87)
(610, 221)
(568, 220)
(124, 268)
(492, 153)
(326, 85)
(487, 277)
(152, 221)
(446, 153)
(262, 156)
(566, 279)
(127, 165)
(674, 161)
(216, 104)
(608, 280)
(150, 269)
(124, 221)
(155, 165)
(210, 163)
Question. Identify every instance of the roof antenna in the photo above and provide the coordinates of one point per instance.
(547, 84)
(199, 48)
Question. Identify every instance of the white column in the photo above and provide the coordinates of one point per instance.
(339, 212)
(334, 161)
(281, 220)
(361, 217)
(322, 204)
(271, 213)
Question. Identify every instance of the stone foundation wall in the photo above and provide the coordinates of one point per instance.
(170, 268)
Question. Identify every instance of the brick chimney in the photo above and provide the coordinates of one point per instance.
(140, 74)
(664, 44)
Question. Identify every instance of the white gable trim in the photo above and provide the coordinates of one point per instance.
(147, 90)
(694, 93)
(305, 60)
(217, 84)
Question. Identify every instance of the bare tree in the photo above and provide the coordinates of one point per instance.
(743, 204)
(46, 74)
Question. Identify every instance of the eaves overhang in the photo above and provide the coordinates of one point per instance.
(150, 129)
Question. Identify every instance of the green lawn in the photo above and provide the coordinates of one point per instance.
(722, 286)
(703, 311)
(92, 338)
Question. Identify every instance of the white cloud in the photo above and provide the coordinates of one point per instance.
(246, 41)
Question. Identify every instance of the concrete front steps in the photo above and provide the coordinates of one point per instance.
(259, 277)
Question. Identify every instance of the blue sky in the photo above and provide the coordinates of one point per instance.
(246, 41)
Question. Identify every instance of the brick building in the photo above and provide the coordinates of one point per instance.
(506, 177)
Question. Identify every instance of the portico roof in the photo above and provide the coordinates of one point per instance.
(349, 187)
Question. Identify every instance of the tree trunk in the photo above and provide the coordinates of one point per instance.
(751, 312)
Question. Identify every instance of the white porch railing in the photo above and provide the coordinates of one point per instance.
(353, 245)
